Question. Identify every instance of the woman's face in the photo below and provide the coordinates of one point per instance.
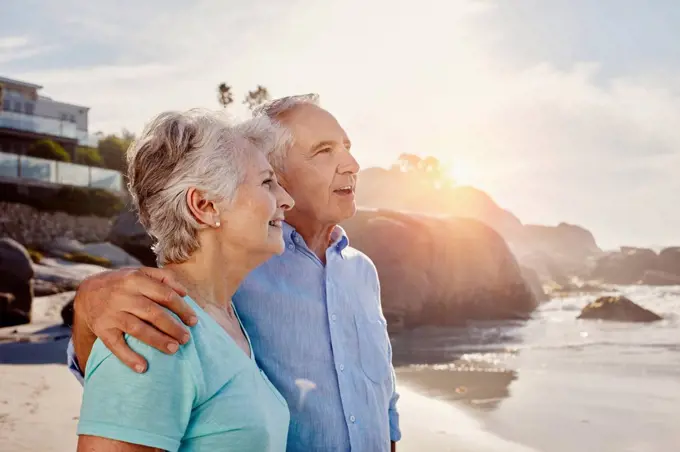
(253, 219)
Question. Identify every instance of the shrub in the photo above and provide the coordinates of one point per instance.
(84, 258)
(88, 156)
(80, 201)
(48, 149)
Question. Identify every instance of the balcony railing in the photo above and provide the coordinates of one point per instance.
(32, 168)
(46, 126)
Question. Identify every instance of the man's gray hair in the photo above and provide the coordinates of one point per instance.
(196, 148)
(277, 109)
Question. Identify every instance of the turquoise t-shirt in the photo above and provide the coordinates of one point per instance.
(209, 396)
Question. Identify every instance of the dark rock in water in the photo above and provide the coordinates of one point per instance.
(440, 271)
(67, 314)
(16, 273)
(659, 278)
(618, 308)
(128, 234)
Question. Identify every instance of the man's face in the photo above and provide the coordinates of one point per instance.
(319, 171)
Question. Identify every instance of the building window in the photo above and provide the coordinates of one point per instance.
(72, 118)
(7, 105)
(29, 108)
(17, 106)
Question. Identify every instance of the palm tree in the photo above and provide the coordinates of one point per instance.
(257, 97)
(224, 94)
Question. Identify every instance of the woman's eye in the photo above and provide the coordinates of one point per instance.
(268, 182)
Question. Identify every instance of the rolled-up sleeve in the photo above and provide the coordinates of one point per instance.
(73, 362)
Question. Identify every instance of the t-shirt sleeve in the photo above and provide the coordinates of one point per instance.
(152, 409)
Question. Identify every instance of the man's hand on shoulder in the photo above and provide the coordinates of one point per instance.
(130, 300)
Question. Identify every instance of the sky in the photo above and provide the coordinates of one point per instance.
(562, 110)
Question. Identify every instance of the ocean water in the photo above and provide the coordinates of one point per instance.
(555, 383)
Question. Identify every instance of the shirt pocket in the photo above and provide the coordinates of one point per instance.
(373, 347)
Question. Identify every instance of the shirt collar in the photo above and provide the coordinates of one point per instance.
(339, 239)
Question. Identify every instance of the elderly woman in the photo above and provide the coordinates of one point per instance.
(207, 195)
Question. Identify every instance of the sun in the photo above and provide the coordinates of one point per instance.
(459, 172)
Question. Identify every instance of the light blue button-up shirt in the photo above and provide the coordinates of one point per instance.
(319, 334)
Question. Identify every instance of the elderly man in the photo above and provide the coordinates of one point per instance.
(313, 313)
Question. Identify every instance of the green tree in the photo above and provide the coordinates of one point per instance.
(224, 94)
(48, 149)
(112, 149)
(88, 156)
(257, 97)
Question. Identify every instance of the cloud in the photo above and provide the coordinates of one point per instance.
(14, 48)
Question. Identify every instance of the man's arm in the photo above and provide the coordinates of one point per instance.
(110, 304)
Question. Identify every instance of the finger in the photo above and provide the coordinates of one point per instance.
(114, 341)
(148, 334)
(164, 295)
(166, 277)
(160, 318)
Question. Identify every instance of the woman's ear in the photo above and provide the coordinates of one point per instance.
(204, 211)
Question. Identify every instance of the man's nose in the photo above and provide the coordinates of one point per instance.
(349, 164)
(286, 201)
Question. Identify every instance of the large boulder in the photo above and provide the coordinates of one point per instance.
(128, 233)
(437, 271)
(617, 308)
(16, 278)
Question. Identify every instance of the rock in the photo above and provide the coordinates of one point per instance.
(16, 273)
(618, 308)
(625, 267)
(9, 314)
(114, 254)
(436, 271)
(43, 288)
(62, 245)
(130, 235)
(67, 314)
(659, 278)
(66, 275)
(669, 260)
(534, 283)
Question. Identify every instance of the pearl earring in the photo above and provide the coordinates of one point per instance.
(217, 224)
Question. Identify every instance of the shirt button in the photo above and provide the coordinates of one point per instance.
(352, 419)
(334, 317)
(291, 246)
(342, 367)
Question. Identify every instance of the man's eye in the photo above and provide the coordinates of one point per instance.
(268, 182)
(324, 151)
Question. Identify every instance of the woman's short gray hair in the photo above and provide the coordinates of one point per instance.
(275, 110)
(196, 148)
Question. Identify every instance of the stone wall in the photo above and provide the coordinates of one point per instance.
(32, 227)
